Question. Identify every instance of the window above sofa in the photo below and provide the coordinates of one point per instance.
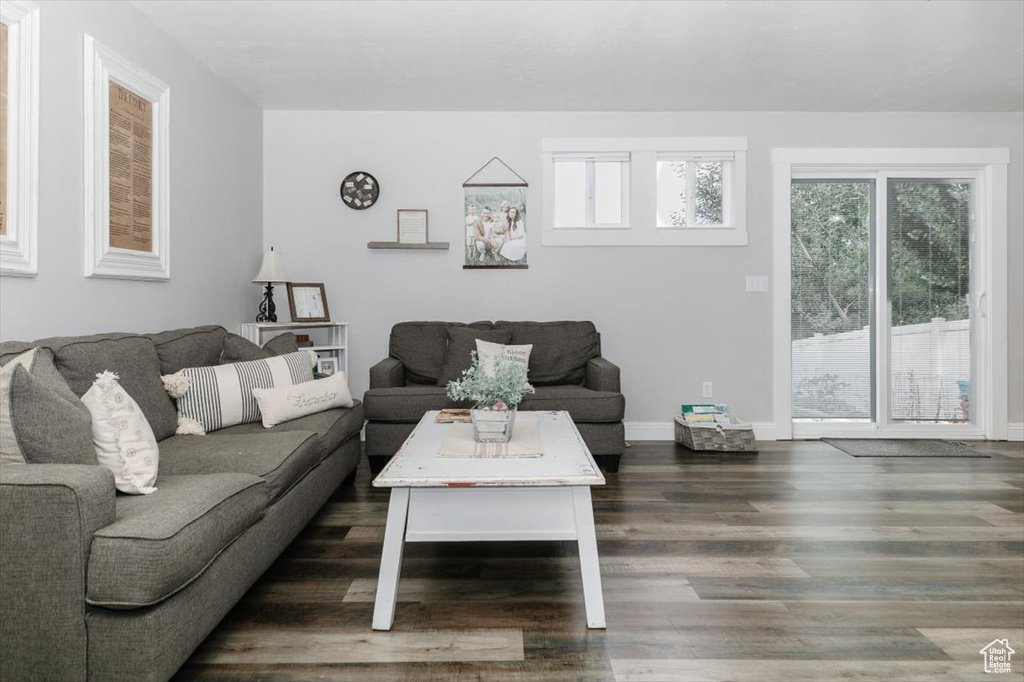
(645, 191)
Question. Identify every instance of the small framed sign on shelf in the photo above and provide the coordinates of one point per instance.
(412, 226)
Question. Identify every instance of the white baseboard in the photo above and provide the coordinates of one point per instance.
(640, 431)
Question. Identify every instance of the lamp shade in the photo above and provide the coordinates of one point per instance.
(272, 268)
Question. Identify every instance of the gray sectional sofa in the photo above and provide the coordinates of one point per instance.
(566, 368)
(97, 585)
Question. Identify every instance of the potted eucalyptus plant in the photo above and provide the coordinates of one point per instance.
(496, 389)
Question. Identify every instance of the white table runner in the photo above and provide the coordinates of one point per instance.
(459, 442)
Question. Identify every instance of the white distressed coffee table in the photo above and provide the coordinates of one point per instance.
(445, 499)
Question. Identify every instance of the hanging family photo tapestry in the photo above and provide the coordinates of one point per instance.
(495, 211)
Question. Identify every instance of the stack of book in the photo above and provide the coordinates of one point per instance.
(707, 412)
(303, 341)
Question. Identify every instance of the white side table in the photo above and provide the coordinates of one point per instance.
(330, 339)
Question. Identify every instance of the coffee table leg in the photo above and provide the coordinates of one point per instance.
(590, 567)
(391, 560)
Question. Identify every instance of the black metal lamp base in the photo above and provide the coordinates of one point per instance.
(268, 311)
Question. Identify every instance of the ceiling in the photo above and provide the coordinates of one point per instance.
(556, 55)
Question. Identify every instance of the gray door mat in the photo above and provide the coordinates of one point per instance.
(914, 447)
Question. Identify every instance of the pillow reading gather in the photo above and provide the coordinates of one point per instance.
(211, 398)
(123, 438)
(291, 402)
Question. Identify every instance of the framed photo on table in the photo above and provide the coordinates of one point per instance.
(127, 168)
(327, 366)
(308, 302)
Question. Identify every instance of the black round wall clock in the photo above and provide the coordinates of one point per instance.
(360, 190)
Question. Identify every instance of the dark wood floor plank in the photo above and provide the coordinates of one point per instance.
(799, 563)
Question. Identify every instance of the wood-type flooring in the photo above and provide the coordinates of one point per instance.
(800, 563)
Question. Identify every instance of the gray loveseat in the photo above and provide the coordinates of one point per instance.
(566, 368)
(97, 585)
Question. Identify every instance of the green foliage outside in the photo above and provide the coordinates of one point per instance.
(929, 228)
(707, 195)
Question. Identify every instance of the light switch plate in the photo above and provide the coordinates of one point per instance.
(757, 283)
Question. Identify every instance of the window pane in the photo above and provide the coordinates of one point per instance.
(607, 193)
(831, 306)
(671, 193)
(707, 194)
(929, 272)
(570, 194)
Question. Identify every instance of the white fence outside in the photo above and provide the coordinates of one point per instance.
(931, 371)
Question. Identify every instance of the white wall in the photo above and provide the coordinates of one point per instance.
(216, 178)
(670, 317)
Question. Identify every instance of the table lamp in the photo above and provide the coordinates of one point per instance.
(272, 270)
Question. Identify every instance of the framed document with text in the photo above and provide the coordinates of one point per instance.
(19, 137)
(127, 226)
(412, 226)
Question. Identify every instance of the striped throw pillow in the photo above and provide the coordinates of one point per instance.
(211, 398)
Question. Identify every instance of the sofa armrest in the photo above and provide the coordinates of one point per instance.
(50, 513)
(602, 375)
(388, 373)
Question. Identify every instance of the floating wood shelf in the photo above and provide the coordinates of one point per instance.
(432, 246)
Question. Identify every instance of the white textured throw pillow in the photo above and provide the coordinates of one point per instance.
(123, 438)
(291, 402)
(489, 352)
(211, 398)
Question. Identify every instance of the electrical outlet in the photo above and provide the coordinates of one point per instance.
(707, 389)
(757, 284)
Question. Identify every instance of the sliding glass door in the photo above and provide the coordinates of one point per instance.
(930, 334)
(881, 318)
(832, 307)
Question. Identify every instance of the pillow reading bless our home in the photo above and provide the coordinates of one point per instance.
(489, 352)
(211, 398)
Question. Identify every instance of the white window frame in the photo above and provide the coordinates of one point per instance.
(641, 227)
(691, 159)
(103, 66)
(590, 159)
(19, 247)
(988, 169)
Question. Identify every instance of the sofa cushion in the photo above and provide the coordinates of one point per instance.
(421, 347)
(560, 349)
(281, 344)
(241, 349)
(160, 543)
(192, 347)
(404, 404)
(332, 427)
(11, 349)
(582, 404)
(133, 358)
(41, 420)
(211, 398)
(281, 459)
(462, 342)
